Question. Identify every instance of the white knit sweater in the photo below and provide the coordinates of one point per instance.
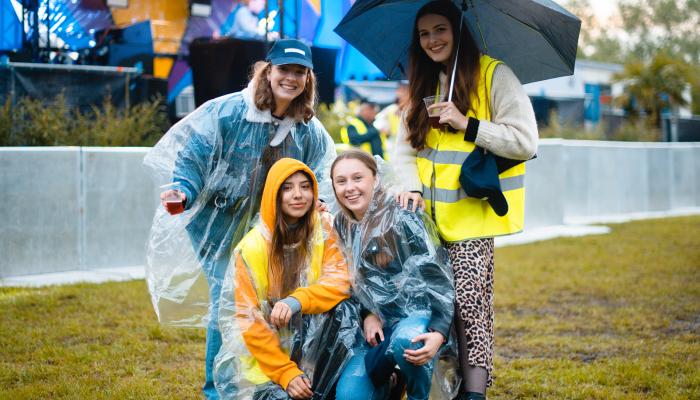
(511, 133)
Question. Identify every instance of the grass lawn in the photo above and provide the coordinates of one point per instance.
(602, 317)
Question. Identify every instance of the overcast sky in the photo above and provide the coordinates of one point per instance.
(603, 8)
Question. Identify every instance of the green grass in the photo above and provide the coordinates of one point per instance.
(602, 317)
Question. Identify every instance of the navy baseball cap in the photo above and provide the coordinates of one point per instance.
(479, 179)
(290, 51)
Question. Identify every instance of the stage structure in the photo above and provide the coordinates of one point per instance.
(154, 36)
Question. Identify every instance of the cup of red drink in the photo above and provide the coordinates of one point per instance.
(433, 113)
(173, 199)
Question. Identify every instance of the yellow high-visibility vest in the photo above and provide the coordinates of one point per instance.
(362, 130)
(457, 216)
(254, 251)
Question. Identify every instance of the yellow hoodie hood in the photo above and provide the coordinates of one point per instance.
(280, 171)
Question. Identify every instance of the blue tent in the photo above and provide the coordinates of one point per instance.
(10, 27)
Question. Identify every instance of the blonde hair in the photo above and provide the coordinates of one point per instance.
(301, 108)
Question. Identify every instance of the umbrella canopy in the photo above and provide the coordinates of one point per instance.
(536, 38)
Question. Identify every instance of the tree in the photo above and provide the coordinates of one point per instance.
(645, 33)
(668, 24)
(654, 86)
(596, 42)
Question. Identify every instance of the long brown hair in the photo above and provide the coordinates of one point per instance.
(301, 108)
(285, 265)
(423, 73)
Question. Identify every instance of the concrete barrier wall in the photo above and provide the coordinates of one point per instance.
(40, 214)
(68, 208)
(72, 208)
(545, 180)
(119, 207)
(612, 178)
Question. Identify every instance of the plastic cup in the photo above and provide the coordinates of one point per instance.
(433, 114)
(173, 199)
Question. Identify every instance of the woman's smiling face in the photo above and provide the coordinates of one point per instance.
(435, 34)
(297, 197)
(287, 81)
(353, 183)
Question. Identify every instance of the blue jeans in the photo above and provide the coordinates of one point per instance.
(215, 275)
(354, 383)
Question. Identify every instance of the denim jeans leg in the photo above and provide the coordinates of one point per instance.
(354, 383)
(215, 277)
(212, 349)
(418, 378)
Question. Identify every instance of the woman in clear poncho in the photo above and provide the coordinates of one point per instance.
(217, 159)
(287, 273)
(401, 277)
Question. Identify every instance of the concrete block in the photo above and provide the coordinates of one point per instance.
(576, 160)
(632, 178)
(40, 213)
(684, 178)
(545, 181)
(604, 192)
(660, 175)
(118, 207)
(696, 157)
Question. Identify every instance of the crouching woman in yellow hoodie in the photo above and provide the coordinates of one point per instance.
(285, 334)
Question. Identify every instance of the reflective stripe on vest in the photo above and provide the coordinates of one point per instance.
(457, 216)
(361, 130)
(254, 251)
(453, 196)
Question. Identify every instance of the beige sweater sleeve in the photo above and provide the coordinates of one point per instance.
(403, 161)
(511, 133)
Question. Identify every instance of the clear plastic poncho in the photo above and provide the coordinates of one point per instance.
(218, 156)
(398, 268)
(256, 357)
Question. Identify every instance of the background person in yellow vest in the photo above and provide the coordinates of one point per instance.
(389, 118)
(489, 109)
(360, 131)
(288, 272)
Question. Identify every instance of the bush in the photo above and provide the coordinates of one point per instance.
(334, 117)
(631, 130)
(556, 129)
(33, 122)
(636, 130)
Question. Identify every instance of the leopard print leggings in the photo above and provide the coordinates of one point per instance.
(472, 263)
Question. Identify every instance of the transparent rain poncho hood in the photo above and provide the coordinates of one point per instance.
(218, 156)
(398, 268)
(259, 360)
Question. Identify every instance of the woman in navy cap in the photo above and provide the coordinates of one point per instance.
(217, 159)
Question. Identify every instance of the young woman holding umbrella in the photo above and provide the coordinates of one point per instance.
(487, 107)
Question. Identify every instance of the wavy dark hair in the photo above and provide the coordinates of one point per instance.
(301, 108)
(423, 73)
(285, 264)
